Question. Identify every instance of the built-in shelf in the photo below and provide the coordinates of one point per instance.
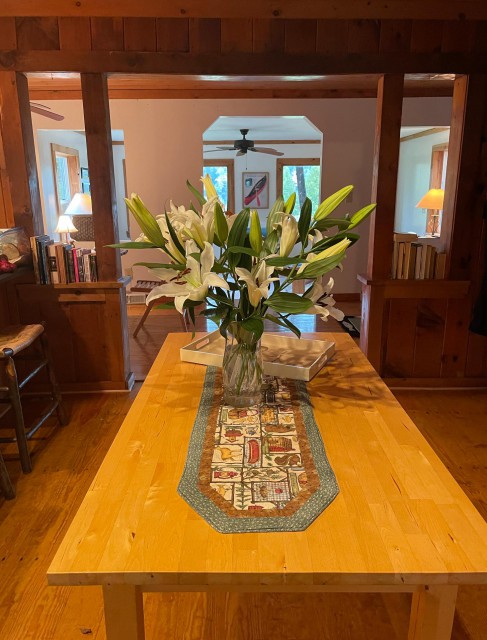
(419, 288)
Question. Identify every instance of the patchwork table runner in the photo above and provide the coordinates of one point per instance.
(258, 469)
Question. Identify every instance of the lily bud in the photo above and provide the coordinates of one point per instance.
(209, 187)
(334, 250)
(290, 202)
(221, 225)
(255, 235)
(289, 235)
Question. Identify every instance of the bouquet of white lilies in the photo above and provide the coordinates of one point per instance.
(249, 280)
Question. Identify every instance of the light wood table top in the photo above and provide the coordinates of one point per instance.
(400, 518)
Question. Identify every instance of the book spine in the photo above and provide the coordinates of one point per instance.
(61, 263)
(75, 264)
(35, 259)
(93, 268)
(70, 264)
(53, 264)
(81, 270)
(86, 267)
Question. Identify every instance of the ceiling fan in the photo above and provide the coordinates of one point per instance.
(45, 111)
(244, 145)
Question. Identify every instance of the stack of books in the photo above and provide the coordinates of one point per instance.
(59, 263)
(413, 260)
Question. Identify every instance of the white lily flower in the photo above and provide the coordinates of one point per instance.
(324, 303)
(190, 284)
(315, 236)
(289, 235)
(257, 281)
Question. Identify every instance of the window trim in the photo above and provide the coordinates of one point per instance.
(436, 172)
(72, 156)
(283, 162)
(229, 163)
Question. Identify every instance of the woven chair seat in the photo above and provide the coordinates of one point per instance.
(18, 337)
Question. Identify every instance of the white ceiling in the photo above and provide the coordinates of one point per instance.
(263, 128)
(410, 131)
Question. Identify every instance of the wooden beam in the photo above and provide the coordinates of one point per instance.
(102, 180)
(261, 64)
(466, 176)
(384, 182)
(323, 9)
(20, 201)
(422, 134)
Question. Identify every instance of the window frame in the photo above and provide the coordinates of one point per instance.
(72, 156)
(293, 162)
(229, 163)
(438, 152)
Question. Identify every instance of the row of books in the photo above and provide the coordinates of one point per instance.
(414, 260)
(59, 263)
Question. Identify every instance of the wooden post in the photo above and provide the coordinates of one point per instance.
(384, 183)
(20, 200)
(124, 612)
(100, 162)
(466, 177)
(432, 612)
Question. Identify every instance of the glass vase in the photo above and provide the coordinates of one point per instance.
(242, 367)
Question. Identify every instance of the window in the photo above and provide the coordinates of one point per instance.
(221, 173)
(302, 175)
(439, 160)
(65, 162)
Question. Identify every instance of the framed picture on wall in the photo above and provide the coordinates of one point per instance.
(255, 189)
(85, 180)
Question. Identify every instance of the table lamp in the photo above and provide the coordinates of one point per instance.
(80, 205)
(433, 199)
(64, 227)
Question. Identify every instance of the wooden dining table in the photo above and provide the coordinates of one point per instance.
(400, 523)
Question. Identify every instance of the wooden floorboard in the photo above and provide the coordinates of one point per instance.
(65, 462)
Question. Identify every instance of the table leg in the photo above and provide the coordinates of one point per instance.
(432, 613)
(124, 612)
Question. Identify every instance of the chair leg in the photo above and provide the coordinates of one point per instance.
(5, 483)
(144, 317)
(14, 395)
(60, 410)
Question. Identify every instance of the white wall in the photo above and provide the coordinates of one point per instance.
(413, 180)
(163, 148)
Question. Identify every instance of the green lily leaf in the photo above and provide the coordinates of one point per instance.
(328, 223)
(221, 224)
(237, 235)
(290, 202)
(283, 262)
(201, 198)
(247, 250)
(132, 245)
(161, 265)
(329, 242)
(304, 222)
(273, 216)
(283, 322)
(332, 202)
(288, 303)
(174, 236)
(361, 215)
(254, 326)
(271, 241)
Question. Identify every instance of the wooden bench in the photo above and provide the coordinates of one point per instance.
(401, 523)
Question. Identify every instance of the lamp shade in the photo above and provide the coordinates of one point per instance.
(433, 199)
(65, 225)
(80, 205)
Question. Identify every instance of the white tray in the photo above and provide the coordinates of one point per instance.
(284, 356)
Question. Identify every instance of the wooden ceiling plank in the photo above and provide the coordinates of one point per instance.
(395, 35)
(236, 36)
(363, 36)
(139, 34)
(172, 35)
(458, 37)
(106, 34)
(426, 36)
(37, 34)
(268, 36)
(300, 36)
(332, 36)
(205, 36)
(457, 10)
(75, 34)
(8, 35)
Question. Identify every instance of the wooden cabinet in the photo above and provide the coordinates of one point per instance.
(86, 327)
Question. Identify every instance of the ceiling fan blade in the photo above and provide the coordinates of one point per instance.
(271, 152)
(226, 148)
(241, 152)
(42, 110)
(215, 150)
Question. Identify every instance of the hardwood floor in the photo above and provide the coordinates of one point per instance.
(65, 461)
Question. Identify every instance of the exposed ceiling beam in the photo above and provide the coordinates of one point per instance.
(422, 134)
(321, 9)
